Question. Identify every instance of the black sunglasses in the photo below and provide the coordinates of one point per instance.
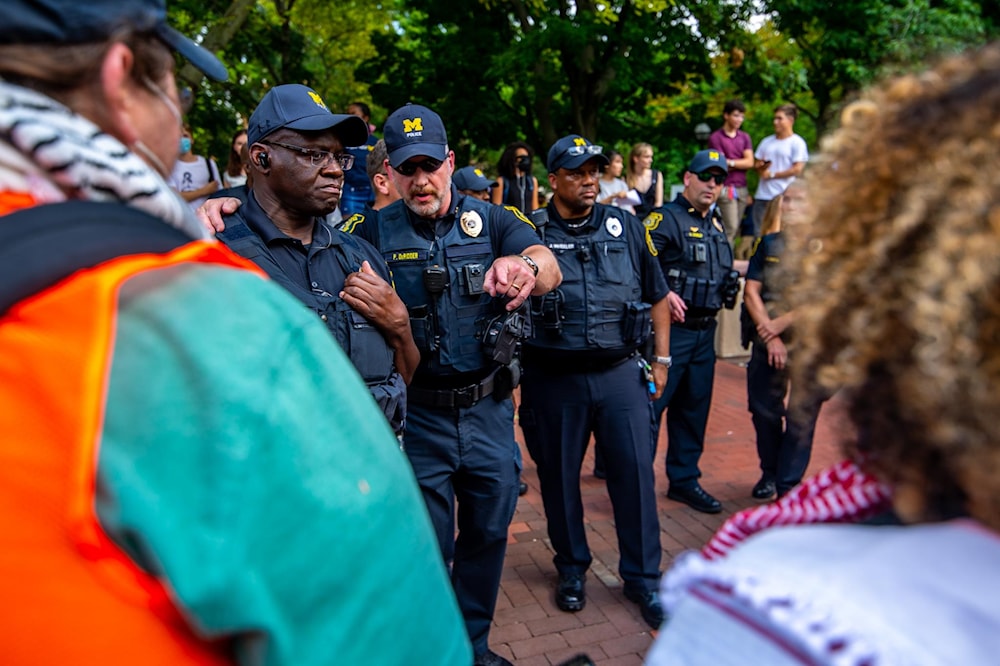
(706, 176)
(427, 165)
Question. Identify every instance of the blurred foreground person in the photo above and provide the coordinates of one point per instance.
(169, 493)
(898, 303)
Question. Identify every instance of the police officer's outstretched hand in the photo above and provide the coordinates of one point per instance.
(510, 277)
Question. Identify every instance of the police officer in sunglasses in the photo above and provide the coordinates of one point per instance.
(698, 263)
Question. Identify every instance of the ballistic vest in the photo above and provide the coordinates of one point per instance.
(707, 257)
(600, 292)
(446, 327)
(363, 343)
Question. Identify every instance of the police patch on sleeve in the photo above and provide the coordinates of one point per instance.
(653, 220)
(614, 226)
(471, 223)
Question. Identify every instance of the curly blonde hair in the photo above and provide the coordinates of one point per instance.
(899, 291)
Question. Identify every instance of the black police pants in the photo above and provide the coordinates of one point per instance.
(784, 440)
(468, 455)
(558, 414)
(688, 394)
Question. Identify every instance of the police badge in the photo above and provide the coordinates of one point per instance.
(472, 223)
(614, 226)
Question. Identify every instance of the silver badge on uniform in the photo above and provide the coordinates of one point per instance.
(614, 226)
(471, 223)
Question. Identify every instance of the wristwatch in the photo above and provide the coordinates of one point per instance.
(664, 360)
(531, 264)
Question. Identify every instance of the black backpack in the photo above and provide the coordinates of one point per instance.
(42, 245)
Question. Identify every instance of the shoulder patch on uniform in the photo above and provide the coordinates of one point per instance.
(652, 220)
(351, 223)
(519, 215)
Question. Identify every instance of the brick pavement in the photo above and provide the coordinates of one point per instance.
(531, 631)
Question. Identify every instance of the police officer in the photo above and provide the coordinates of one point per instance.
(459, 264)
(583, 375)
(470, 180)
(297, 158)
(697, 260)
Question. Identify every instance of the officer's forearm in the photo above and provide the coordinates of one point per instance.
(661, 327)
(407, 356)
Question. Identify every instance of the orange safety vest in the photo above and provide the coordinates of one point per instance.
(70, 594)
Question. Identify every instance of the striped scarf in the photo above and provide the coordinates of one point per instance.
(843, 493)
(54, 154)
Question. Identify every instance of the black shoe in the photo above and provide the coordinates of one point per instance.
(649, 605)
(490, 658)
(763, 490)
(600, 473)
(522, 488)
(696, 498)
(570, 595)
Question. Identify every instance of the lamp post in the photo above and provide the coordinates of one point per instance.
(701, 132)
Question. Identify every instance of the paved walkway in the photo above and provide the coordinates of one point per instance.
(528, 627)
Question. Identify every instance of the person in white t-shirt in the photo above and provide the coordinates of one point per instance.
(614, 191)
(779, 159)
(194, 177)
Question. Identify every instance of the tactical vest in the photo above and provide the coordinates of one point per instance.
(446, 327)
(707, 257)
(363, 343)
(599, 303)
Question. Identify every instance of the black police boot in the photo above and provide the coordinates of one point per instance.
(522, 488)
(570, 594)
(649, 605)
(490, 658)
(764, 489)
(696, 498)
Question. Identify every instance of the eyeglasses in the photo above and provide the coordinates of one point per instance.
(588, 150)
(706, 176)
(318, 158)
(427, 165)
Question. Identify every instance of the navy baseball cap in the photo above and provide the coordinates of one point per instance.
(413, 130)
(472, 179)
(706, 159)
(299, 107)
(572, 152)
(82, 21)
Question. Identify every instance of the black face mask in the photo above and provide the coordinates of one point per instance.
(524, 163)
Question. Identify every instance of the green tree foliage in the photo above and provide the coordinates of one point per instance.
(617, 71)
(847, 44)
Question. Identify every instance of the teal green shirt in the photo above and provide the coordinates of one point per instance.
(244, 461)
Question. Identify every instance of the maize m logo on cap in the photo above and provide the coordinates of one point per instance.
(713, 155)
(413, 127)
(579, 141)
(319, 100)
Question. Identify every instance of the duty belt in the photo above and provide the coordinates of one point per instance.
(463, 397)
(695, 323)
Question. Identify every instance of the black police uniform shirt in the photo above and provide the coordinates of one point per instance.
(764, 263)
(509, 233)
(566, 239)
(673, 243)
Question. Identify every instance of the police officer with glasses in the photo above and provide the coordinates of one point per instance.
(584, 375)
(297, 160)
(690, 242)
